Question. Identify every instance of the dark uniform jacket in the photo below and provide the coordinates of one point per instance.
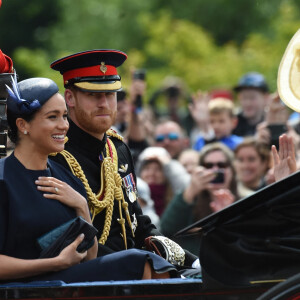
(87, 149)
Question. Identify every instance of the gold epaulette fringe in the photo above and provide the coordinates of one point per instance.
(95, 205)
(111, 188)
(113, 133)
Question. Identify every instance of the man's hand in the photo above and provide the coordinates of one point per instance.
(276, 112)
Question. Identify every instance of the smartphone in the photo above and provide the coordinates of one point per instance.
(139, 74)
(276, 131)
(219, 177)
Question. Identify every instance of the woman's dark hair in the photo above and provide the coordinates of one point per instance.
(12, 127)
(25, 99)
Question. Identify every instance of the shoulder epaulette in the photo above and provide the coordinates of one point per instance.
(112, 133)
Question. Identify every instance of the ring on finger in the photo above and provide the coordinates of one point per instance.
(56, 190)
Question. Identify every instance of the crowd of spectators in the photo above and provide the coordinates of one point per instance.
(198, 156)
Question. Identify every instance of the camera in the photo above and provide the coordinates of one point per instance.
(220, 178)
(139, 74)
(276, 131)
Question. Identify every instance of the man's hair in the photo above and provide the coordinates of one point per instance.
(220, 105)
(165, 120)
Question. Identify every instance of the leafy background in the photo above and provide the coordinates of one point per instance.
(208, 44)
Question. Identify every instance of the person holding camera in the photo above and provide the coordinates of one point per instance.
(212, 187)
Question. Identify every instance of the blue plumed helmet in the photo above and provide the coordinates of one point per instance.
(252, 80)
(29, 95)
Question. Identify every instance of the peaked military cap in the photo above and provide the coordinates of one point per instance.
(256, 239)
(92, 70)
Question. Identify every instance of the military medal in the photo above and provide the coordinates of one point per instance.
(130, 187)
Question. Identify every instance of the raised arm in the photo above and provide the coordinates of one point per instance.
(284, 159)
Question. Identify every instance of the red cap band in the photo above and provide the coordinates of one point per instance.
(90, 72)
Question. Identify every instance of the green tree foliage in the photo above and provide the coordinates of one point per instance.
(26, 23)
(91, 24)
(206, 43)
(181, 48)
(225, 20)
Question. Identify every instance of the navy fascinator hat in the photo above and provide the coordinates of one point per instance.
(29, 95)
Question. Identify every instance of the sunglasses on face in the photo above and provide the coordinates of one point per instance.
(172, 136)
(220, 165)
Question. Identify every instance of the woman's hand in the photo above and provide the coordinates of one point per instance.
(221, 199)
(69, 256)
(284, 160)
(61, 191)
(200, 180)
(15, 268)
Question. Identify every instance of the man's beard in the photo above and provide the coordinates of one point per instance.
(93, 124)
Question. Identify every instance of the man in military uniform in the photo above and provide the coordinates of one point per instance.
(97, 155)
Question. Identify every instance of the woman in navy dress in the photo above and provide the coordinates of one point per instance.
(38, 195)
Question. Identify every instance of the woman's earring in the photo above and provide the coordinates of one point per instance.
(25, 131)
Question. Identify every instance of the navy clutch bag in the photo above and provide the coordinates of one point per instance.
(53, 242)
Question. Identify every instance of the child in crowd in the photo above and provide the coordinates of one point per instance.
(223, 121)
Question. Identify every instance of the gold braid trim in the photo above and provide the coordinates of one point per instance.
(95, 205)
(111, 187)
(113, 133)
(119, 196)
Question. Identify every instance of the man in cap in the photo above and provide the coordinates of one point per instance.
(98, 155)
(252, 93)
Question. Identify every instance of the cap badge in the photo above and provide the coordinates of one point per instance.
(103, 67)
